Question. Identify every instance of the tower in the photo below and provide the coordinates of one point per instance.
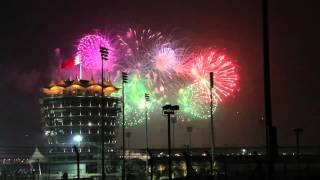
(71, 112)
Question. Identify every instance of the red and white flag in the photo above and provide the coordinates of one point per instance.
(70, 62)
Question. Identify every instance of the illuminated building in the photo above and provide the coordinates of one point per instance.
(71, 115)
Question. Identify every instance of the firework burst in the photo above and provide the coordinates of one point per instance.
(153, 57)
(194, 101)
(161, 66)
(135, 103)
(223, 68)
(88, 50)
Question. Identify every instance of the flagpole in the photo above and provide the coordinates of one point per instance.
(80, 66)
(80, 69)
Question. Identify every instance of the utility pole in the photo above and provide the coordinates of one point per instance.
(104, 57)
(124, 81)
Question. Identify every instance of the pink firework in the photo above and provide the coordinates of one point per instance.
(88, 50)
(165, 59)
(223, 68)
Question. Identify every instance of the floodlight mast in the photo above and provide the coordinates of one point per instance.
(147, 99)
(211, 124)
(169, 110)
(104, 57)
(124, 81)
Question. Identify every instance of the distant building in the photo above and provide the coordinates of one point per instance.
(71, 115)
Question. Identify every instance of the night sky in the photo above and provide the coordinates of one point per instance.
(31, 31)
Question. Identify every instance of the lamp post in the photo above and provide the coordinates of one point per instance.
(174, 121)
(104, 57)
(128, 136)
(298, 132)
(189, 130)
(147, 99)
(77, 139)
(211, 123)
(271, 136)
(169, 110)
(124, 81)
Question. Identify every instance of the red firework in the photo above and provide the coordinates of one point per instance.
(223, 68)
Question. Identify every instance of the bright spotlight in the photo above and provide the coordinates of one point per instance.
(77, 138)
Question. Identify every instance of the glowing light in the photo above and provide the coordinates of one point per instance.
(77, 138)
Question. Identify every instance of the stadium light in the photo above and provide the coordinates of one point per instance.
(169, 109)
(104, 52)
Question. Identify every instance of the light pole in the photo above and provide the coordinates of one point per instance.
(211, 123)
(147, 99)
(271, 136)
(189, 130)
(128, 136)
(174, 121)
(77, 139)
(124, 81)
(298, 132)
(104, 57)
(168, 110)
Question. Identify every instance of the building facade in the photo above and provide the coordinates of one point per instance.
(72, 112)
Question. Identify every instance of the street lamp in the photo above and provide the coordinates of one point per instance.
(77, 139)
(189, 130)
(104, 52)
(124, 81)
(147, 99)
(174, 121)
(169, 110)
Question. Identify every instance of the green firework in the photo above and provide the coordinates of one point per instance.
(135, 104)
(194, 101)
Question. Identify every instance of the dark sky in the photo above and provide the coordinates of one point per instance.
(30, 31)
